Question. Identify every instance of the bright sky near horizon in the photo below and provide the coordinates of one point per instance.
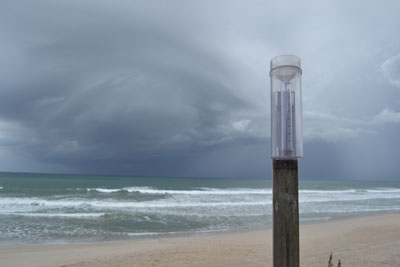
(181, 88)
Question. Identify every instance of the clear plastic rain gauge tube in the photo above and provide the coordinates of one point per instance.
(286, 130)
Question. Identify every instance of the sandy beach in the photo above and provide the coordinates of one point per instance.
(358, 241)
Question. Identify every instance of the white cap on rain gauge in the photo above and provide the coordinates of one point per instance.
(286, 128)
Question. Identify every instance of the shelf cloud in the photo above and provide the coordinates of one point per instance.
(181, 88)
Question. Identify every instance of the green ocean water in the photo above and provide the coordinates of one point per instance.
(81, 208)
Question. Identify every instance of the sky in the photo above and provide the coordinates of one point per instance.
(181, 88)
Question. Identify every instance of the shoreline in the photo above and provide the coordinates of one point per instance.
(157, 236)
(370, 240)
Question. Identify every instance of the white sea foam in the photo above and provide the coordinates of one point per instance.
(69, 215)
(41, 203)
(199, 191)
(355, 209)
(235, 191)
(27, 204)
(104, 190)
(347, 195)
(177, 233)
(249, 194)
(376, 190)
(384, 190)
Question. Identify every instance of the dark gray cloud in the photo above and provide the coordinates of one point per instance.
(182, 88)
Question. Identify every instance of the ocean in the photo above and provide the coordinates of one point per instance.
(56, 208)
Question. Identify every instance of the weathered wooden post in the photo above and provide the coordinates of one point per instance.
(287, 147)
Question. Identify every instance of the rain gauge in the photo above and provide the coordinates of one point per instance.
(286, 130)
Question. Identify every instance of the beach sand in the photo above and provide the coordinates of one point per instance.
(357, 241)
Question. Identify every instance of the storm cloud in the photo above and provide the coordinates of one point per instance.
(181, 88)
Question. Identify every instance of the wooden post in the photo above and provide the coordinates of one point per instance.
(285, 214)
